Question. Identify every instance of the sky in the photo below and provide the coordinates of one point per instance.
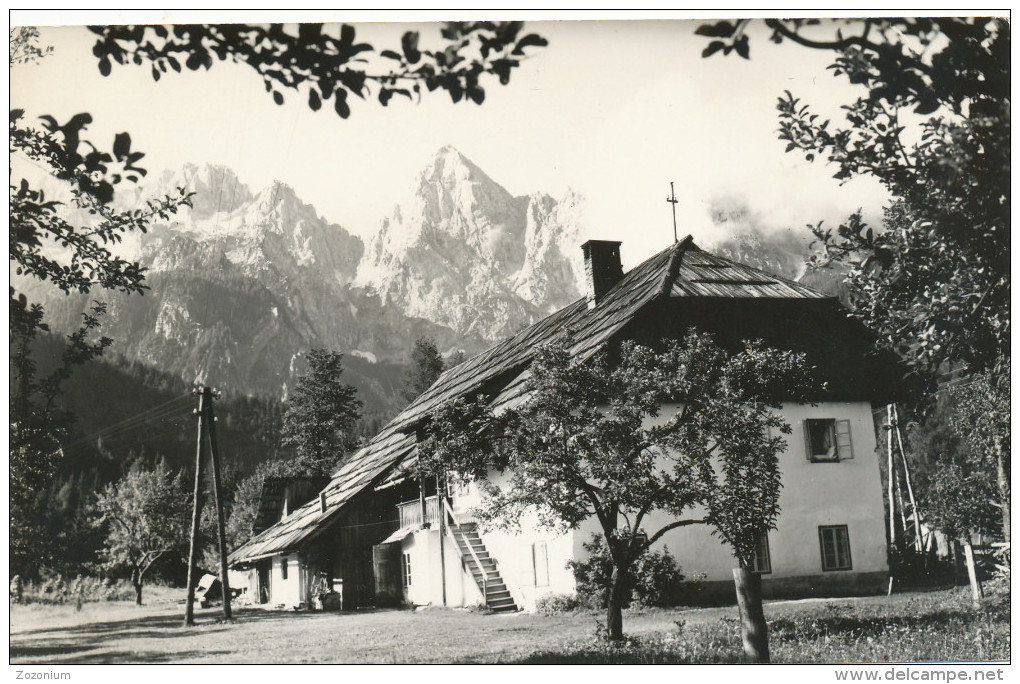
(615, 109)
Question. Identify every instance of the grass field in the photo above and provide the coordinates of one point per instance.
(934, 626)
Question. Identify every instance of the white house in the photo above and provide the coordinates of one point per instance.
(374, 532)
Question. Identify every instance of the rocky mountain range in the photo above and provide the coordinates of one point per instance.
(245, 282)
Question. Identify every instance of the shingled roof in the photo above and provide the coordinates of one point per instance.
(682, 270)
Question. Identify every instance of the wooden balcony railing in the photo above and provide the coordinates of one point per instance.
(410, 513)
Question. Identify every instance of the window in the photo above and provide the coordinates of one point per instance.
(283, 567)
(540, 555)
(828, 440)
(458, 486)
(835, 543)
(405, 570)
(762, 558)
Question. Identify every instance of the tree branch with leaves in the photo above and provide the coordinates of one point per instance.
(324, 62)
(932, 124)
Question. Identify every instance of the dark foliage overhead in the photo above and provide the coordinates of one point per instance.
(324, 62)
(932, 124)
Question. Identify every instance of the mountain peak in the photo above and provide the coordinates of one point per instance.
(450, 165)
(217, 188)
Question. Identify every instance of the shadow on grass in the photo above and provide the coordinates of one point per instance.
(30, 652)
(86, 643)
(112, 657)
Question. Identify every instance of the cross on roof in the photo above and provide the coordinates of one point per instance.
(672, 200)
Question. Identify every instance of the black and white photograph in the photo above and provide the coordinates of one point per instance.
(510, 337)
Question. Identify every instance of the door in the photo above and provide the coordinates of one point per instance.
(386, 568)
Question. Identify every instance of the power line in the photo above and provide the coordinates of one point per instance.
(159, 412)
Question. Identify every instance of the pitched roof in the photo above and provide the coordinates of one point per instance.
(272, 494)
(682, 270)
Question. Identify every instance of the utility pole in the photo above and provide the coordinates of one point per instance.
(220, 529)
(672, 200)
(196, 513)
(206, 425)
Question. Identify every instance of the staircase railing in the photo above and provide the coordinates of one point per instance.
(471, 550)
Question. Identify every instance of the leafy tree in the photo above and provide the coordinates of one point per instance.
(933, 126)
(458, 357)
(426, 367)
(71, 540)
(957, 486)
(76, 256)
(958, 496)
(37, 427)
(653, 432)
(244, 508)
(983, 408)
(322, 414)
(147, 516)
(323, 62)
(245, 501)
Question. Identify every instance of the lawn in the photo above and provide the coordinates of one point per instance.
(934, 626)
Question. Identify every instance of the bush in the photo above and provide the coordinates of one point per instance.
(554, 604)
(55, 589)
(655, 578)
(658, 580)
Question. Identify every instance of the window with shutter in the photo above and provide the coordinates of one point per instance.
(820, 434)
(405, 569)
(844, 447)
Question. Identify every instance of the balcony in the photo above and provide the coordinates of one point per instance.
(410, 513)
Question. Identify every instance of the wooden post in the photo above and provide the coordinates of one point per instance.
(975, 586)
(421, 501)
(441, 500)
(892, 501)
(910, 489)
(196, 515)
(220, 527)
(903, 509)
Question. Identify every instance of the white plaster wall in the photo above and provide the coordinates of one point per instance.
(426, 579)
(513, 551)
(287, 591)
(847, 492)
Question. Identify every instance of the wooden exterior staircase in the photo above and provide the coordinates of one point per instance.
(481, 566)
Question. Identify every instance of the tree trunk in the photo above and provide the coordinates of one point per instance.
(138, 593)
(1003, 480)
(753, 630)
(975, 585)
(614, 606)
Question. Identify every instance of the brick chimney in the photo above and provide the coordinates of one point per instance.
(602, 268)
